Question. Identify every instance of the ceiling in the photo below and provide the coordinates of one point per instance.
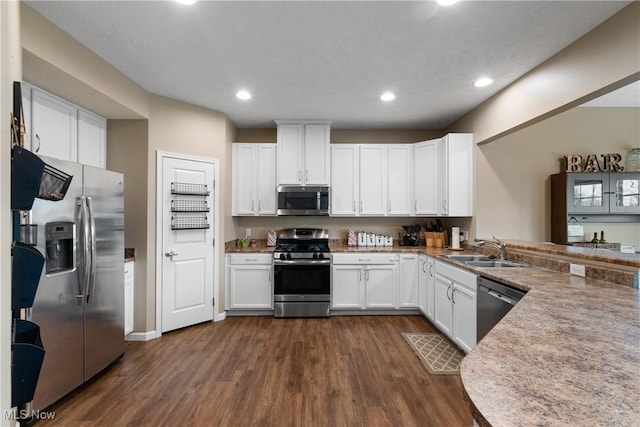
(328, 60)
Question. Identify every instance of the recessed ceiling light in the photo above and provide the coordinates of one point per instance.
(243, 94)
(187, 2)
(483, 81)
(387, 96)
(447, 2)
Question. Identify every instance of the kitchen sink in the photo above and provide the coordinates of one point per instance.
(467, 258)
(494, 263)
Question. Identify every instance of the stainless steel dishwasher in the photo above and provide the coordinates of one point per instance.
(494, 302)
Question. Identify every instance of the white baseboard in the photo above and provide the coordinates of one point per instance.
(142, 336)
(219, 316)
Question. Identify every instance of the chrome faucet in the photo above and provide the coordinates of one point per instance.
(502, 247)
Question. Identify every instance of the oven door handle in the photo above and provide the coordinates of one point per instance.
(302, 262)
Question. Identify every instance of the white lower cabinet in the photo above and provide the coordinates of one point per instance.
(408, 281)
(128, 296)
(455, 296)
(426, 285)
(249, 281)
(363, 281)
(431, 286)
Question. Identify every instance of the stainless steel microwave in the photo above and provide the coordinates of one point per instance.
(298, 200)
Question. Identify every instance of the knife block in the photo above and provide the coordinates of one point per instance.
(432, 238)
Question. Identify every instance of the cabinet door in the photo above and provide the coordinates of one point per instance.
(443, 316)
(290, 138)
(250, 287)
(92, 139)
(425, 177)
(431, 284)
(460, 174)
(464, 317)
(624, 191)
(54, 126)
(344, 179)
(266, 179)
(128, 296)
(408, 281)
(243, 179)
(399, 174)
(373, 180)
(587, 193)
(380, 286)
(317, 157)
(346, 287)
(422, 283)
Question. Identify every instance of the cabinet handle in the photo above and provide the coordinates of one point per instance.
(452, 292)
(259, 206)
(364, 259)
(251, 259)
(423, 264)
(449, 287)
(361, 206)
(360, 275)
(306, 176)
(431, 270)
(253, 208)
(415, 206)
(126, 272)
(366, 270)
(38, 139)
(388, 205)
(299, 175)
(354, 205)
(444, 206)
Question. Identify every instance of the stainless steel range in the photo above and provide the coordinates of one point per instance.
(302, 273)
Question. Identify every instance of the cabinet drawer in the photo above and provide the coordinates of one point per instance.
(458, 275)
(364, 258)
(251, 258)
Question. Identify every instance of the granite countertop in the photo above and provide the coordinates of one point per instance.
(568, 353)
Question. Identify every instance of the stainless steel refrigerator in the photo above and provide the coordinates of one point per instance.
(80, 297)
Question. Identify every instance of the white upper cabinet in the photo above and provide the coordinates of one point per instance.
(254, 179)
(92, 139)
(373, 180)
(54, 126)
(399, 174)
(303, 153)
(345, 179)
(425, 177)
(57, 128)
(455, 175)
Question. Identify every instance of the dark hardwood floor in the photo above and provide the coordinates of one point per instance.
(250, 371)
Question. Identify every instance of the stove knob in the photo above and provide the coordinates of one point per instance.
(282, 257)
(320, 255)
(315, 255)
(288, 255)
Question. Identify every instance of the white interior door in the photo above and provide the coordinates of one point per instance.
(187, 244)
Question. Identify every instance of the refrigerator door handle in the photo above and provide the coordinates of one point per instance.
(85, 266)
(92, 252)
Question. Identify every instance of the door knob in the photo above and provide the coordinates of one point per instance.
(171, 253)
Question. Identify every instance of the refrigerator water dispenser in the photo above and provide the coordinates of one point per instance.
(60, 238)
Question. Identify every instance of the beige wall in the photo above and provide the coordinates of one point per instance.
(349, 136)
(182, 128)
(10, 71)
(604, 59)
(127, 153)
(512, 173)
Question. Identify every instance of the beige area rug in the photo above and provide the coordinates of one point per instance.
(437, 354)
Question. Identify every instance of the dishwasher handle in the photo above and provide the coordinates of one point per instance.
(498, 296)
